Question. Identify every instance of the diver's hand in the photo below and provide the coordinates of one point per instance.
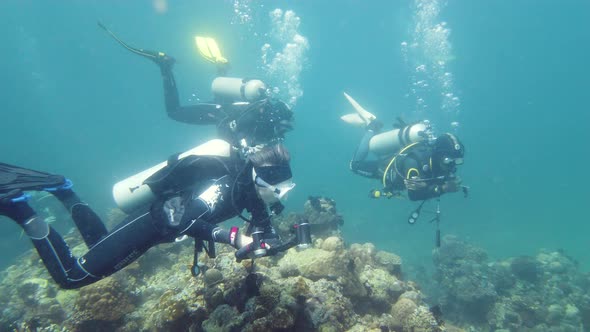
(415, 184)
(242, 241)
(452, 185)
(234, 237)
(271, 246)
(268, 237)
(247, 240)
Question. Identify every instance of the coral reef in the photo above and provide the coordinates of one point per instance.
(320, 212)
(542, 293)
(463, 273)
(105, 300)
(329, 287)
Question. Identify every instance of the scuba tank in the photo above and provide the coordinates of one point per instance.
(389, 142)
(132, 192)
(238, 89)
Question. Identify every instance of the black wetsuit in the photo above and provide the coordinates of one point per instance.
(415, 163)
(196, 194)
(257, 122)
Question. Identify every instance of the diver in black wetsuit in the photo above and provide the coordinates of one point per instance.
(194, 194)
(425, 169)
(249, 117)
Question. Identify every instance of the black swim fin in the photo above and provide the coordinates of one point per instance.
(14, 180)
(160, 58)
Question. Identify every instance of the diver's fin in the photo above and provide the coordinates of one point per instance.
(14, 179)
(353, 119)
(209, 50)
(156, 56)
(365, 115)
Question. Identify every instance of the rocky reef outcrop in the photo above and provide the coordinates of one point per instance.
(331, 286)
(546, 292)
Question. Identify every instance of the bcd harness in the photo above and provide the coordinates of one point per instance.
(388, 190)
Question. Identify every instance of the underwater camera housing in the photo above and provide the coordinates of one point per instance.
(303, 235)
(256, 249)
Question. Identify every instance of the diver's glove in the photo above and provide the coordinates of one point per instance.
(263, 238)
(451, 185)
(415, 184)
(233, 237)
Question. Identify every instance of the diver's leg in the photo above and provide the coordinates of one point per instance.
(57, 256)
(202, 113)
(359, 164)
(15, 207)
(363, 148)
(118, 249)
(193, 114)
(358, 160)
(165, 62)
(127, 242)
(52, 249)
(87, 221)
(171, 99)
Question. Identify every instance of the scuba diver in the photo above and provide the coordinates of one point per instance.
(185, 197)
(409, 157)
(243, 111)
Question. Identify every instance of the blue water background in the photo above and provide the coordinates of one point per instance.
(73, 102)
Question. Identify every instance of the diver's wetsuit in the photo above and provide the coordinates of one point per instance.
(257, 122)
(211, 194)
(415, 163)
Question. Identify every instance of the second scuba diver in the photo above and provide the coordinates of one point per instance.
(409, 157)
(243, 112)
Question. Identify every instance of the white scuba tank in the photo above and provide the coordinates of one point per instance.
(132, 193)
(389, 142)
(238, 89)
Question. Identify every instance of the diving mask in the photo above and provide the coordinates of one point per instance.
(272, 182)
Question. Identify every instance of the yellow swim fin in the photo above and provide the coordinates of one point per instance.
(209, 50)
